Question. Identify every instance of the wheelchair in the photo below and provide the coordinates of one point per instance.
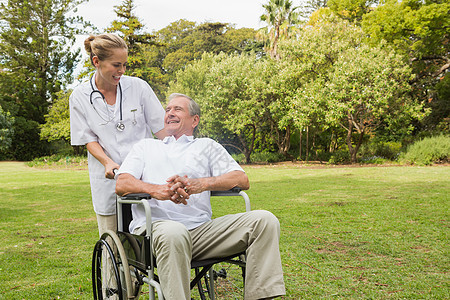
(123, 262)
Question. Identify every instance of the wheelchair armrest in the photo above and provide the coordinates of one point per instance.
(136, 196)
(235, 192)
(231, 192)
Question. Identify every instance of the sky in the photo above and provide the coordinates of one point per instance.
(157, 14)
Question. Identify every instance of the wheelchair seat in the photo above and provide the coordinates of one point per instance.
(133, 264)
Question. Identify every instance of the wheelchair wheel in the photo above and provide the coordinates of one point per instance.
(228, 281)
(111, 276)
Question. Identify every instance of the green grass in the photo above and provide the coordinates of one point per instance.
(347, 232)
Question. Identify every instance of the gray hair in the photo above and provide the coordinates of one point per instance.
(194, 108)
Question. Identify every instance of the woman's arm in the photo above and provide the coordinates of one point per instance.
(97, 151)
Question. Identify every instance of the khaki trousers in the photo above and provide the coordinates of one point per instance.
(106, 223)
(256, 232)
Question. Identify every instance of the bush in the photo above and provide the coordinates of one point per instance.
(259, 157)
(428, 151)
(58, 160)
(380, 150)
(339, 157)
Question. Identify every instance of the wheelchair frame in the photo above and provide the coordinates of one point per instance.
(131, 255)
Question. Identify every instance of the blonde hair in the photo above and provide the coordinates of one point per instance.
(102, 45)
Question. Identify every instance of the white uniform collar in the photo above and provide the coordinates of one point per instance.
(183, 139)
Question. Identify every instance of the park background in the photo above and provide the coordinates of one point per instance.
(333, 81)
(335, 108)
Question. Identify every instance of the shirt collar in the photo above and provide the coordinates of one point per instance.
(183, 139)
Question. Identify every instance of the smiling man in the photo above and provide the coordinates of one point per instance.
(179, 173)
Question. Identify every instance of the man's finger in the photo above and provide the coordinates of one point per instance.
(172, 178)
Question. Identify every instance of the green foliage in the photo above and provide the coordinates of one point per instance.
(27, 143)
(58, 160)
(428, 151)
(57, 124)
(260, 157)
(36, 62)
(184, 41)
(339, 157)
(439, 118)
(351, 10)
(6, 130)
(380, 149)
(128, 26)
(36, 38)
(280, 16)
(415, 27)
(345, 82)
(420, 30)
(232, 91)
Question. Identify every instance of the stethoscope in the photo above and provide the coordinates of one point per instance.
(119, 126)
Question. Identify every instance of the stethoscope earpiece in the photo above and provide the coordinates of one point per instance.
(119, 126)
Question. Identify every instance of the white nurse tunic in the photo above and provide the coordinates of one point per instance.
(142, 114)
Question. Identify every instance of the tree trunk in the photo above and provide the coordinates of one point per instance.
(353, 150)
(248, 148)
(286, 143)
(301, 145)
(307, 143)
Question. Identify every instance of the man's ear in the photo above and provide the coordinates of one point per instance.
(196, 121)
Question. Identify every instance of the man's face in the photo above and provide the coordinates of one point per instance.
(177, 120)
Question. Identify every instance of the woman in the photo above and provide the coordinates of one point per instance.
(109, 114)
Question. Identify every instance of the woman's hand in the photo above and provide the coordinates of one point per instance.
(109, 169)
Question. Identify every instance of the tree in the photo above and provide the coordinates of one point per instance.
(6, 131)
(420, 30)
(231, 91)
(130, 28)
(310, 6)
(57, 121)
(351, 10)
(347, 83)
(184, 41)
(280, 16)
(37, 62)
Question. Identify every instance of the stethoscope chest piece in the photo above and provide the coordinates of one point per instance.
(120, 126)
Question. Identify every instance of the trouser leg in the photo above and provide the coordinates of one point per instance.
(106, 223)
(257, 233)
(172, 248)
(108, 279)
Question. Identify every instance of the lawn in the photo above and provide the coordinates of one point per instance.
(347, 232)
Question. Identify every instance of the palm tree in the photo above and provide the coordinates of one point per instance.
(280, 16)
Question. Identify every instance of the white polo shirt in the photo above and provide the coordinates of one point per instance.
(154, 161)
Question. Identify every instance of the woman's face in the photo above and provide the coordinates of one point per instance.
(111, 69)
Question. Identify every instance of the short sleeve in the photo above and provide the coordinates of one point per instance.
(153, 110)
(80, 132)
(134, 162)
(221, 162)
